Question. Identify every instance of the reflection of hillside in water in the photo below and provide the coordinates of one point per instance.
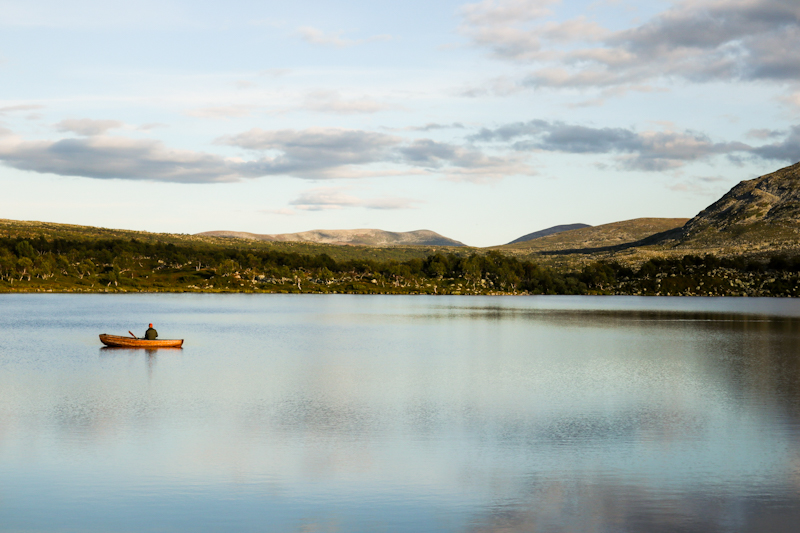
(752, 352)
(551, 505)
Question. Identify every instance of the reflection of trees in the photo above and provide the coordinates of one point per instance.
(603, 505)
(762, 360)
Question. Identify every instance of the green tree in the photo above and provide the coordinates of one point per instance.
(473, 270)
(24, 267)
(228, 267)
(62, 263)
(44, 267)
(25, 249)
(8, 265)
(325, 275)
(85, 268)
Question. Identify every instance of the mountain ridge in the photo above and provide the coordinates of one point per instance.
(362, 237)
(594, 237)
(549, 231)
(766, 208)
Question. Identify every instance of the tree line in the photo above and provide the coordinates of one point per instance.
(130, 264)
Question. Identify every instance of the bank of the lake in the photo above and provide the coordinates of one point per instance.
(60, 265)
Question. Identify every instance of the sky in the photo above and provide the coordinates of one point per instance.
(482, 121)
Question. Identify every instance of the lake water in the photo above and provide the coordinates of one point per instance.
(337, 413)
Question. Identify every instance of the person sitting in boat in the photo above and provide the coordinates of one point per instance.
(150, 334)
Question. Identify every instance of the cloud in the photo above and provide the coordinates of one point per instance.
(786, 150)
(502, 12)
(319, 37)
(332, 102)
(702, 186)
(320, 153)
(648, 150)
(694, 41)
(316, 152)
(764, 133)
(463, 163)
(21, 107)
(792, 100)
(434, 126)
(275, 72)
(222, 112)
(103, 157)
(503, 26)
(151, 126)
(313, 153)
(87, 126)
(324, 198)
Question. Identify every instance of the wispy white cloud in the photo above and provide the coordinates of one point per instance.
(223, 112)
(19, 107)
(792, 100)
(334, 39)
(151, 126)
(711, 186)
(275, 72)
(503, 12)
(87, 126)
(325, 198)
(334, 102)
(764, 133)
(431, 126)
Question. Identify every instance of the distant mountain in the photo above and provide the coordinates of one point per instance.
(756, 213)
(549, 231)
(591, 237)
(363, 237)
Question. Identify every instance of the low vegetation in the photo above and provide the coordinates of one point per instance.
(133, 265)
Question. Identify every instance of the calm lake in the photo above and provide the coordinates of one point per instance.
(338, 413)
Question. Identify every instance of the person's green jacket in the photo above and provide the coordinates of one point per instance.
(150, 334)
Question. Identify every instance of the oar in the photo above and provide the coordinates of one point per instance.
(132, 335)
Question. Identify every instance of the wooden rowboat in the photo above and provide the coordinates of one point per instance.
(130, 342)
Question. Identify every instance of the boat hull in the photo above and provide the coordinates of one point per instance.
(130, 342)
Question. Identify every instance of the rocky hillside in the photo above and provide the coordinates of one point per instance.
(598, 237)
(763, 211)
(363, 237)
(549, 231)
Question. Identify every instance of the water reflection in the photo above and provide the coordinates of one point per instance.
(402, 414)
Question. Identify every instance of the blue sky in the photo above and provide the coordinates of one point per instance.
(482, 121)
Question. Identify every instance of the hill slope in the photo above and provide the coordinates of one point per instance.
(757, 212)
(593, 237)
(50, 230)
(362, 237)
(549, 231)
